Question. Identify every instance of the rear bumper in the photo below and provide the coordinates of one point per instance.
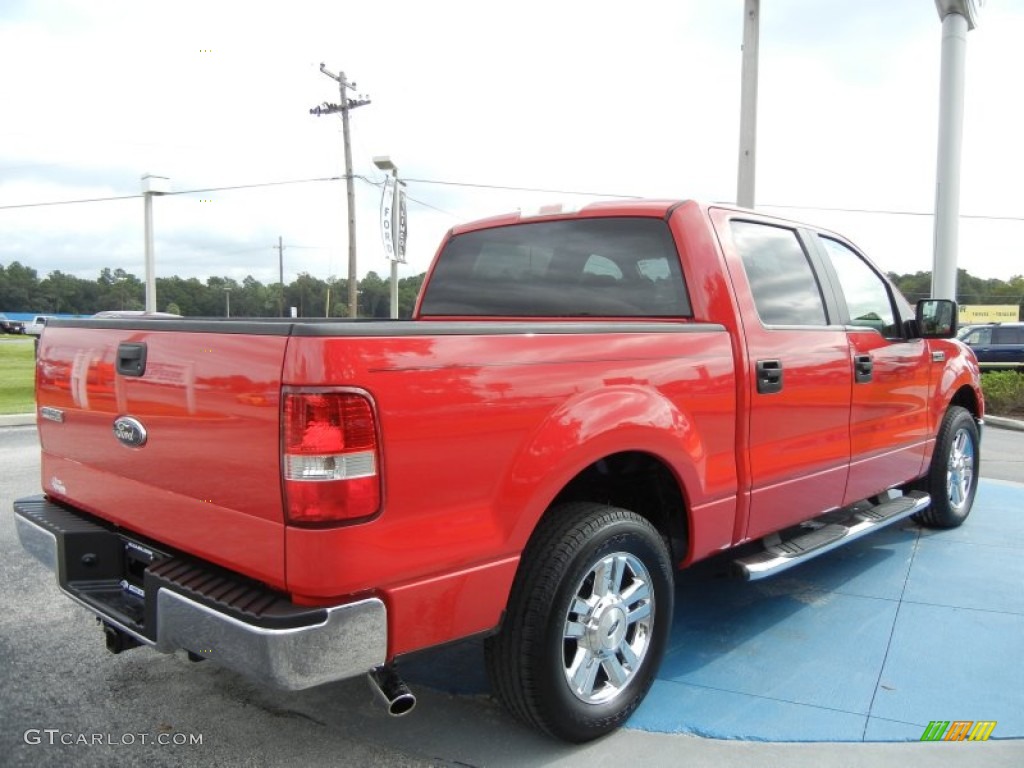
(170, 602)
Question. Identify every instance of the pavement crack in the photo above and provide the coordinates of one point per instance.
(892, 633)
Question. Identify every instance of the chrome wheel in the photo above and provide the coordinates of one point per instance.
(607, 628)
(587, 621)
(960, 470)
(952, 478)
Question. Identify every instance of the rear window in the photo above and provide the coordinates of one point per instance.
(609, 267)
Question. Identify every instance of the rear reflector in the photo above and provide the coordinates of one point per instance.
(337, 467)
(330, 457)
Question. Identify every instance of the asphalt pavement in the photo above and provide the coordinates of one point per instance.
(59, 684)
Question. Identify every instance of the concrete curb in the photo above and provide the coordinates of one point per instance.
(1004, 423)
(17, 419)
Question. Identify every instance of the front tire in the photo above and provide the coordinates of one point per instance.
(587, 622)
(952, 479)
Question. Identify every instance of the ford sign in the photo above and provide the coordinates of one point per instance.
(130, 432)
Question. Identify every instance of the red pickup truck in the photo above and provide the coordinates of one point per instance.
(582, 404)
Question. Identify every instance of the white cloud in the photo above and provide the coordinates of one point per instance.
(639, 100)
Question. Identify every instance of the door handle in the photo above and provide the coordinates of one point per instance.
(131, 358)
(769, 376)
(862, 368)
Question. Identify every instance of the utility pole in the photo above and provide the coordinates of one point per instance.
(344, 107)
(280, 269)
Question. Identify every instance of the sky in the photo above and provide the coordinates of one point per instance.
(563, 96)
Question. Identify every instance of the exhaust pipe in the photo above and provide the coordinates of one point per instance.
(118, 641)
(391, 690)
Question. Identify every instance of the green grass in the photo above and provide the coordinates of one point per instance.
(17, 375)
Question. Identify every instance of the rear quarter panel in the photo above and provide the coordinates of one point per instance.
(474, 452)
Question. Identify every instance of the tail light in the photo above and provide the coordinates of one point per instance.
(330, 459)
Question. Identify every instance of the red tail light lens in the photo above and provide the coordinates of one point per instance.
(330, 457)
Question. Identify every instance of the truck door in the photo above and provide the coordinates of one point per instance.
(888, 417)
(798, 370)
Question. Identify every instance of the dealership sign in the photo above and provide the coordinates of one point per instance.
(393, 221)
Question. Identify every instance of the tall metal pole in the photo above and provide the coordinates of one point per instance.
(394, 234)
(151, 185)
(394, 290)
(280, 269)
(955, 26)
(748, 106)
(150, 258)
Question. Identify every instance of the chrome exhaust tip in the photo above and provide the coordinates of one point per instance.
(391, 690)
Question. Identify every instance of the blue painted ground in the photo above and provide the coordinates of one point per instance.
(870, 642)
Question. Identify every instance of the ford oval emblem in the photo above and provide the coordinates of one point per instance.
(130, 432)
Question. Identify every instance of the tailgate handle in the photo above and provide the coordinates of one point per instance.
(131, 358)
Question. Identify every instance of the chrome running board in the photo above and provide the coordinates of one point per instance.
(861, 519)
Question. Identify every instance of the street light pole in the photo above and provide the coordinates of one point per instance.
(385, 164)
(151, 185)
(280, 267)
(344, 107)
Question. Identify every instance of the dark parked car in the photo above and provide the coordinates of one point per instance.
(998, 346)
(10, 326)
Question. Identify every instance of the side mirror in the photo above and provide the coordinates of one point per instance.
(936, 318)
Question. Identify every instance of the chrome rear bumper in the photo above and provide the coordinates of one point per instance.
(281, 645)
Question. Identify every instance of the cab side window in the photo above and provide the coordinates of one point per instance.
(867, 295)
(785, 289)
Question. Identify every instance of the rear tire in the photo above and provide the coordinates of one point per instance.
(952, 479)
(587, 622)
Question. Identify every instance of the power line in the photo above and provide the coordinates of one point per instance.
(472, 185)
(520, 189)
(70, 202)
(255, 186)
(889, 213)
(179, 192)
(378, 184)
(432, 207)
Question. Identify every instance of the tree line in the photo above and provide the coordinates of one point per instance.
(21, 290)
(969, 289)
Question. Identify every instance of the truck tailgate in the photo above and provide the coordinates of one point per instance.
(186, 453)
